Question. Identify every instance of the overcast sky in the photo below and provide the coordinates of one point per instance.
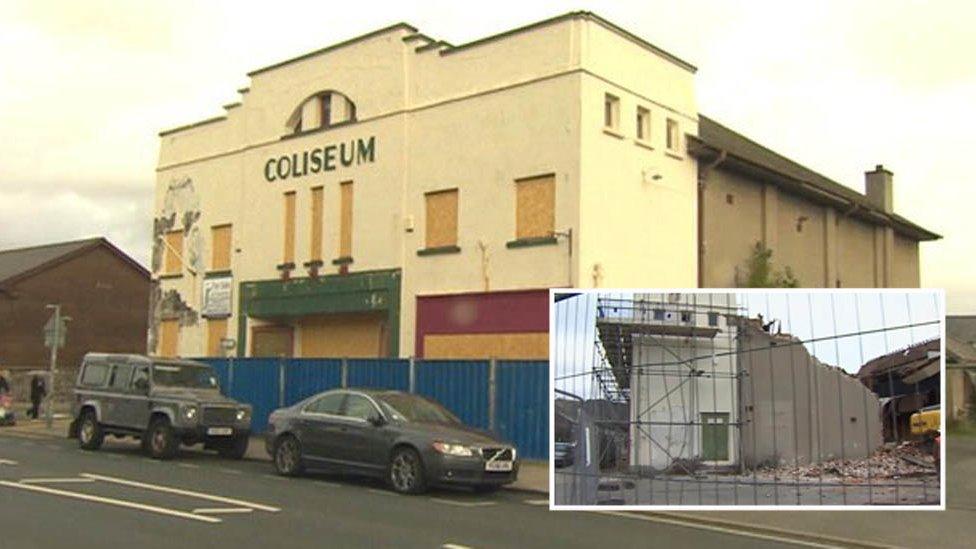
(843, 329)
(837, 86)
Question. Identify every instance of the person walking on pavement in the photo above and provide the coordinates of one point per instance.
(4, 384)
(37, 393)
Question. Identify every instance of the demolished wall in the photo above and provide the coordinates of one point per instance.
(796, 409)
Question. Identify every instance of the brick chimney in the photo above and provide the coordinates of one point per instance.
(878, 187)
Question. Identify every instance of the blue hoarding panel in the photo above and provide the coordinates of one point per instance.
(460, 385)
(522, 406)
(305, 377)
(381, 373)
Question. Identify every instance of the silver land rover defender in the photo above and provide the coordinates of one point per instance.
(162, 402)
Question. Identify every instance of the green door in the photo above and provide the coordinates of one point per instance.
(715, 436)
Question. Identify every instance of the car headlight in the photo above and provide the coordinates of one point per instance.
(452, 449)
(190, 413)
(242, 414)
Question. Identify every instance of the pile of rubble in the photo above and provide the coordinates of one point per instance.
(908, 459)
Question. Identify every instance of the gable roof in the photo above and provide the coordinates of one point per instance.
(751, 158)
(21, 263)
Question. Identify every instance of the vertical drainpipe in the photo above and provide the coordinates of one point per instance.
(702, 176)
(345, 372)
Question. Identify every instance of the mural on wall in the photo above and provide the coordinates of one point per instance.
(180, 210)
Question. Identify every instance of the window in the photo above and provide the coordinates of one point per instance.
(643, 124)
(315, 254)
(359, 407)
(173, 255)
(345, 219)
(216, 330)
(322, 110)
(220, 247)
(611, 111)
(327, 404)
(686, 317)
(94, 375)
(674, 136)
(729, 199)
(535, 207)
(288, 254)
(325, 101)
(713, 319)
(441, 218)
(169, 334)
(658, 314)
(120, 376)
(140, 377)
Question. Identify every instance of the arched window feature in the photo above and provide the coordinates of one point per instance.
(322, 110)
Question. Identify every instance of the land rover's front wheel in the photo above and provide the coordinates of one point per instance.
(162, 443)
(90, 434)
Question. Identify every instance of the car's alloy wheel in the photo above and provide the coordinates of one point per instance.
(288, 456)
(407, 472)
(162, 440)
(90, 435)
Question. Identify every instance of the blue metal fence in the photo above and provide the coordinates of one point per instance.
(513, 401)
(522, 405)
(460, 385)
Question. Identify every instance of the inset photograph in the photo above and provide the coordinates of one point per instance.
(742, 398)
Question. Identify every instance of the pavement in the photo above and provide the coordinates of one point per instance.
(53, 495)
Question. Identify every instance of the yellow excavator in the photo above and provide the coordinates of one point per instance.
(925, 424)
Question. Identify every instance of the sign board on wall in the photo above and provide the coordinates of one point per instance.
(217, 294)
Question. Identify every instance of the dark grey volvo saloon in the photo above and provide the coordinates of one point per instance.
(410, 441)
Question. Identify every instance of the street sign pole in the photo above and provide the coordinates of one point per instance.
(55, 340)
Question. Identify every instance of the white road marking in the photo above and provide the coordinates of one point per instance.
(384, 492)
(111, 501)
(327, 483)
(724, 530)
(223, 510)
(114, 456)
(54, 480)
(230, 471)
(7, 462)
(455, 546)
(178, 491)
(464, 503)
(536, 502)
(188, 465)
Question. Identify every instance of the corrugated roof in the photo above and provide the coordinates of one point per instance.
(961, 327)
(19, 262)
(715, 135)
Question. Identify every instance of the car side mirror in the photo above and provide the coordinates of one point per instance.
(376, 420)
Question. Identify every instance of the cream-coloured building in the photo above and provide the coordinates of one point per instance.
(395, 195)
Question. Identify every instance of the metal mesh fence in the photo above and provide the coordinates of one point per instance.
(747, 398)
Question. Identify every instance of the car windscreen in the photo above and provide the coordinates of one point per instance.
(415, 409)
(184, 375)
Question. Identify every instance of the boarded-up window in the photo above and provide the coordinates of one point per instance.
(173, 256)
(315, 253)
(216, 330)
(442, 218)
(345, 219)
(220, 247)
(289, 248)
(535, 207)
(169, 337)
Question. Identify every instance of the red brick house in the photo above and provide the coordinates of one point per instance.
(103, 290)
